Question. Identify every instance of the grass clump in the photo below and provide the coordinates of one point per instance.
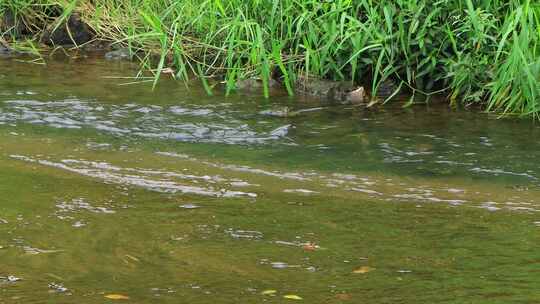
(476, 51)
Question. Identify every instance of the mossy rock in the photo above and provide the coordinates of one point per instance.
(332, 91)
(73, 32)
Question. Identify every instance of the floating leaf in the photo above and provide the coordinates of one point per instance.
(309, 247)
(116, 297)
(363, 269)
(292, 297)
(268, 292)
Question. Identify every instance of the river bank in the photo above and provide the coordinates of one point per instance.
(472, 53)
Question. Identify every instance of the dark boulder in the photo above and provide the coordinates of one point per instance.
(388, 88)
(73, 32)
(12, 25)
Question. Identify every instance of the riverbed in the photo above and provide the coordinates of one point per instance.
(113, 192)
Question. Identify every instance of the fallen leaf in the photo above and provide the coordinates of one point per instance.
(292, 297)
(309, 247)
(268, 292)
(363, 269)
(116, 297)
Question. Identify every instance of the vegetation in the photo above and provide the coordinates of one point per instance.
(473, 51)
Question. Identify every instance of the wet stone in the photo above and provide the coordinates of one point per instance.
(73, 32)
(333, 91)
(255, 84)
(277, 112)
(120, 54)
(12, 25)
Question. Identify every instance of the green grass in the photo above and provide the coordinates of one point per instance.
(473, 51)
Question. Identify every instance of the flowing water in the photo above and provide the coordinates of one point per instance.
(111, 190)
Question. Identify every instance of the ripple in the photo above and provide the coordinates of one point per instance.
(181, 123)
(154, 180)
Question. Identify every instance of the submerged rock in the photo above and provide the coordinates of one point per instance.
(254, 84)
(120, 54)
(73, 32)
(97, 45)
(278, 112)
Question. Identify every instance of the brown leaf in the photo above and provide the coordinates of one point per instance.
(309, 247)
(363, 269)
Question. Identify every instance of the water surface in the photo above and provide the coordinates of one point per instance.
(168, 196)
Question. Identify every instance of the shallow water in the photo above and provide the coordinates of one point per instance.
(172, 196)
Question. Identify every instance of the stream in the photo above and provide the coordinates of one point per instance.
(113, 192)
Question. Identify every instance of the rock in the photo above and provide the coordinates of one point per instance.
(120, 54)
(11, 25)
(317, 87)
(277, 112)
(357, 96)
(340, 91)
(254, 84)
(72, 32)
(97, 45)
(387, 88)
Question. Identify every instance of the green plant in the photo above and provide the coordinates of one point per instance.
(477, 51)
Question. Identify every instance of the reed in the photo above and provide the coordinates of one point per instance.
(475, 51)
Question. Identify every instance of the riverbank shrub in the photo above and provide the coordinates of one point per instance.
(473, 51)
